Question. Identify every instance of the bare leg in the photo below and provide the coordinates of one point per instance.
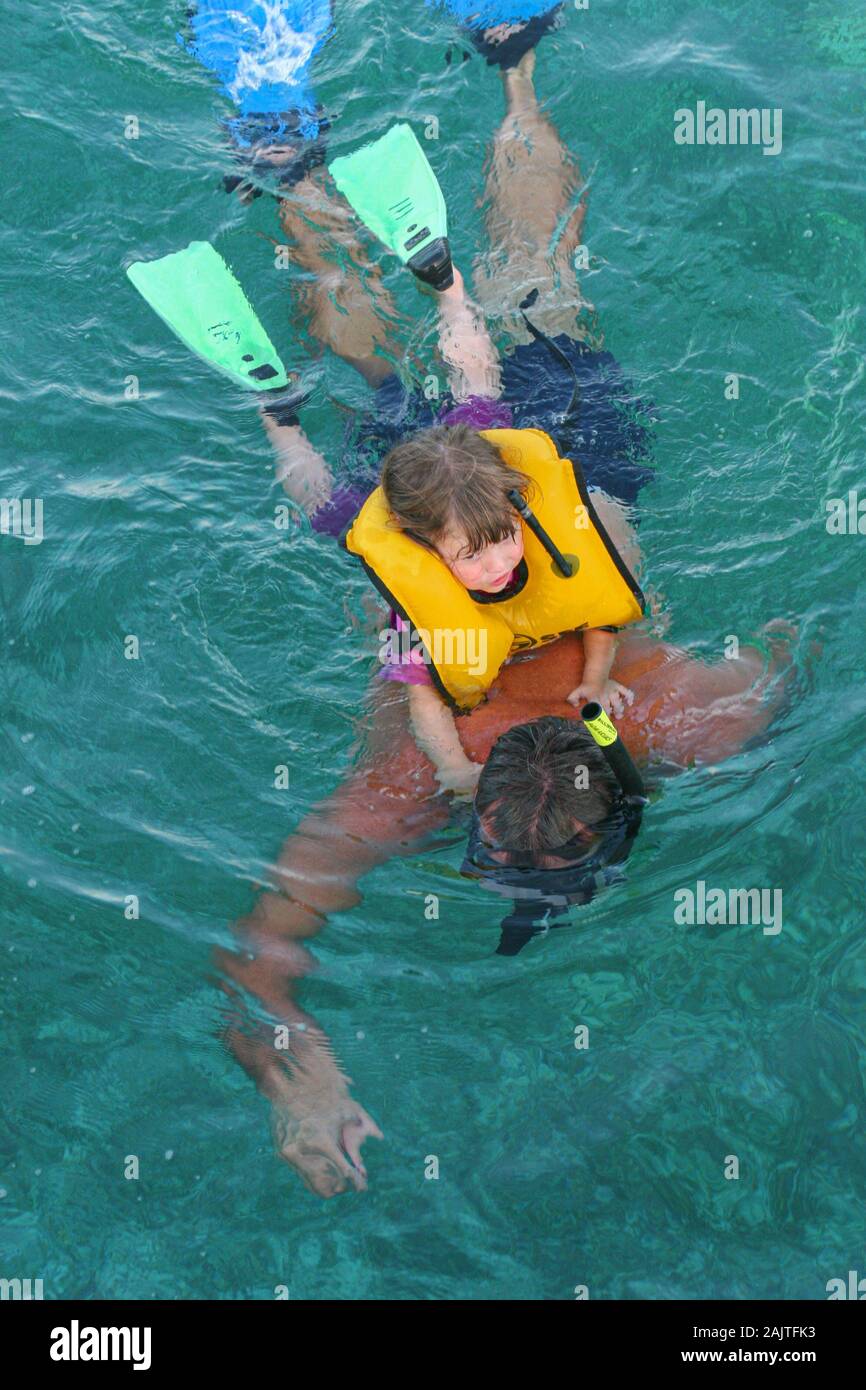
(301, 471)
(533, 221)
(471, 360)
(342, 299)
(343, 314)
(346, 308)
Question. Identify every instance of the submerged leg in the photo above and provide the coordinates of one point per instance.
(341, 297)
(345, 307)
(467, 349)
(534, 215)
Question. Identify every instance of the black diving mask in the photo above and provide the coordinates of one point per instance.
(540, 894)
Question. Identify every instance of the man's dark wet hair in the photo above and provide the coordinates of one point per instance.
(532, 791)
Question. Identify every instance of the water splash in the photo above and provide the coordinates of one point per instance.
(278, 53)
(261, 50)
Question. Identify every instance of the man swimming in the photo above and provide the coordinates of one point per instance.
(684, 712)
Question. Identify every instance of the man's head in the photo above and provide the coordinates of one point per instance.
(545, 783)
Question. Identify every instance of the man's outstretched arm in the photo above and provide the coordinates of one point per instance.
(379, 812)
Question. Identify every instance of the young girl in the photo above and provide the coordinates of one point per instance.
(472, 584)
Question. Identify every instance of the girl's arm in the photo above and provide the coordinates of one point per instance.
(436, 735)
(599, 650)
(599, 645)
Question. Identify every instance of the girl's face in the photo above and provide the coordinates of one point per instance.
(488, 569)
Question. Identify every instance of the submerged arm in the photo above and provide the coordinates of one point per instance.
(318, 1127)
(693, 711)
(436, 735)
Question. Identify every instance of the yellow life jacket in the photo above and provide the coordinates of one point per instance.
(466, 640)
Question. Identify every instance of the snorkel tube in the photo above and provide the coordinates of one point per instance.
(617, 756)
(519, 503)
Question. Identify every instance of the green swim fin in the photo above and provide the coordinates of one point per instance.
(197, 295)
(395, 193)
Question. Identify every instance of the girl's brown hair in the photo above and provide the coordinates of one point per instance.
(447, 477)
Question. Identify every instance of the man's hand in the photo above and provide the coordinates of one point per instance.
(612, 697)
(320, 1134)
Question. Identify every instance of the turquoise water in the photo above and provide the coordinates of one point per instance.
(155, 777)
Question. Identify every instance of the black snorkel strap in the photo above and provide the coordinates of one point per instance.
(564, 565)
(573, 407)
